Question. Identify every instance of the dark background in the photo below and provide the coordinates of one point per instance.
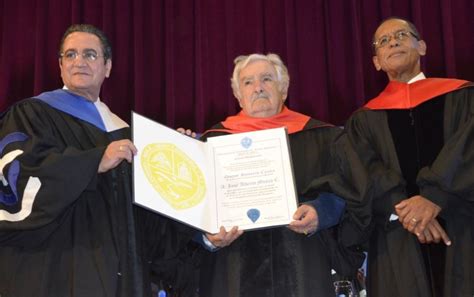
(173, 58)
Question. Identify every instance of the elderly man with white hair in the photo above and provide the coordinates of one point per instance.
(284, 261)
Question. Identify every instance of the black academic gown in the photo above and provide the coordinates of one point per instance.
(426, 150)
(71, 231)
(277, 261)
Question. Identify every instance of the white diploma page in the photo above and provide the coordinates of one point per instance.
(243, 180)
(253, 177)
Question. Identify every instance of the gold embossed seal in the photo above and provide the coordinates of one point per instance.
(173, 175)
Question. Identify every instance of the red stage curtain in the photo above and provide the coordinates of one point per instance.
(173, 58)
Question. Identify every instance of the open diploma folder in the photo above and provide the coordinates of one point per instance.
(243, 180)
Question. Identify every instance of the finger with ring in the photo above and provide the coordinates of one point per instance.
(121, 148)
(414, 220)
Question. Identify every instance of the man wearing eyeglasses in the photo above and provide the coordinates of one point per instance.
(416, 141)
(67, 224)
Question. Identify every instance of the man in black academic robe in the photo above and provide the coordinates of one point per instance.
(67, 223)
(284, 261)
(416, 141)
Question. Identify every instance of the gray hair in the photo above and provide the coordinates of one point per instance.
(242, 61)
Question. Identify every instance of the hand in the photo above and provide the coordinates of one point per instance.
(116, 152)
(434, 233)
(224, 238)
(305, 220)
(188, 132)
(416, 212)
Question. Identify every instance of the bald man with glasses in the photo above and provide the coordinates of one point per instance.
(416, 141)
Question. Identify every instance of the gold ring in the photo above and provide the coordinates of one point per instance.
(305, 232)
(121, 148)
(414, 220)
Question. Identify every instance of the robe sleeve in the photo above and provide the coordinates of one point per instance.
(170, 251)
(449, 181)
(41, 176)
(352, 182)
(345, 240)
(372, 147)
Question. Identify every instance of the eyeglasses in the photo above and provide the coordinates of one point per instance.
(88, 55)
(399, 36)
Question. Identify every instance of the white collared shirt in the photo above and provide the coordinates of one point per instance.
(418, 77)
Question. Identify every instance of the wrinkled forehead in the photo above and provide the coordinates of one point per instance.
(391, 26)
(257, 68)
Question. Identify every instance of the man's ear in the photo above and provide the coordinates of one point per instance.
(283, 90)
(421, 48)
(108, 67)
(375, 59)
(238, 100)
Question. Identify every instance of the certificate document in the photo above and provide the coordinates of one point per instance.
(243, 180)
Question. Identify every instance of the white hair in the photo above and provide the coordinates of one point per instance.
(242, 61)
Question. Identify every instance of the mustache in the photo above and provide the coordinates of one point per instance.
(260, 95)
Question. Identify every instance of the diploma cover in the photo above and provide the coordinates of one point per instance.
(243, 179)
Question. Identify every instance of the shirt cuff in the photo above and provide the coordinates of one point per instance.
(393, 217)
